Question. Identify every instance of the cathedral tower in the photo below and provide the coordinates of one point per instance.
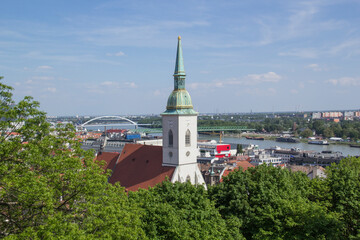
(179, 123)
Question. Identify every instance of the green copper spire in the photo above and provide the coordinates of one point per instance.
(179, 101)
(179, 74)
(179, 65)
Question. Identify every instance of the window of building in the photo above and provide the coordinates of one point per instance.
(187, 138)
(171, 138)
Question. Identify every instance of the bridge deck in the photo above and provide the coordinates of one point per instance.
(200, 129)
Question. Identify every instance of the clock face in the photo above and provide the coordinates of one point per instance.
(188, 153)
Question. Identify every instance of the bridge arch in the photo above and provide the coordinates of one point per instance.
(102, 117)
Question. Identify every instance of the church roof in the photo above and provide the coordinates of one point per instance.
(179, 101)
(140, 166)
(109, 158)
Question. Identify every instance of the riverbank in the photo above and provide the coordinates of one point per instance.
(269, 136)
(264, 144)
(273, 137)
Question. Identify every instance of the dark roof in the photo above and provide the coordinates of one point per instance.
(140, 166)
(110, 159)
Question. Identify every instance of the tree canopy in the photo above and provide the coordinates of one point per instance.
(272, 203)
(52, 189)
(49, 186)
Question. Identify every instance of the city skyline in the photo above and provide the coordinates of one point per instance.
(117, 57)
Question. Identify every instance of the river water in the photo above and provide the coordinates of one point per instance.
(345, 149)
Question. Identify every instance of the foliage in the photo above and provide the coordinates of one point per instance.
(343, 182)
(239, 149)
(181, 211)
(50, 187)
(272, 203)
(306, 133)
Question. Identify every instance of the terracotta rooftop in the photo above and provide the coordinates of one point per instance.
(244, 164)
(140, 166)
(110, 159)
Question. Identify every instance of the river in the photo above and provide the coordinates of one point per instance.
(345, 149)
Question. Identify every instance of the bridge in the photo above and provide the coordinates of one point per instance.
(200, 129)
(87, 123)
(158, 130)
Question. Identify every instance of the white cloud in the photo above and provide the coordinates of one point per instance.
(248, 80)
(351, 45)
(314, 67)
(117, 54)
(131, 84)
(117, 85)
(265, 77)
(157, 92)
(344, 81)
(109, 84)
(44, 67)
(51, 89)
(43, 78)
(302, 53)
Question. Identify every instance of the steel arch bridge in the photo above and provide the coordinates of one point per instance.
(104, 117)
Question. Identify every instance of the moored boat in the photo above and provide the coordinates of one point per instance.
(318, 142)
(287, 139)
(354, 145)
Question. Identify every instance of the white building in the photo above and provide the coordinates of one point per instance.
(179, 123)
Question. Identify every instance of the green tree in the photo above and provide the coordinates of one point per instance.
(306, 133)
(328, 133)
(49, 186)
(239, 149)
(182, 211)
(343, 182)
(272, 203)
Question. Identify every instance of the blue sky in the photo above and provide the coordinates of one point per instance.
(90, 57)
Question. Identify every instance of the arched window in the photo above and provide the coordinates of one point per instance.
(171, 138)
(187, 138)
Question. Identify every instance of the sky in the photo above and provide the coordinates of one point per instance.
(88, 57)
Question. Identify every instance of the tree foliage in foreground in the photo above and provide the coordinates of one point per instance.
(182, 211)
(343, 184)
(49, 190)
(272, 203)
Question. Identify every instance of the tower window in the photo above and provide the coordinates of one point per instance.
(171, 138)
(187, 138)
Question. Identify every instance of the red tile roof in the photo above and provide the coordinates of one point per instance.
(244, 164)
(140, 166)
(110, 159)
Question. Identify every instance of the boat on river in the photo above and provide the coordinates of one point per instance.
(318, 142)
(287, 139)
(355, 145)
(255, 138)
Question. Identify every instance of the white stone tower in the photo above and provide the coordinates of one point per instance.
(179, 123)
